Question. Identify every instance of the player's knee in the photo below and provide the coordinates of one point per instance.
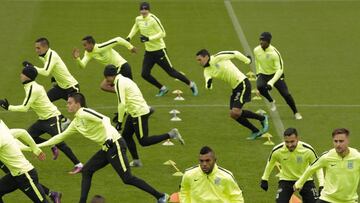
(144, 142)
(87, 172)
(145, 74)
(128, 179)
(235, 114)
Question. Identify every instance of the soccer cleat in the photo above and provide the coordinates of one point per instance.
(175, 134)
(265, 124)
(55, 197)
(55, 152)
(272, 106)
(194, 88)
(163, 199)
(254, 135)
(77, 169)
(298, 116)
(65, 122)
(135, 163)
(162, 91)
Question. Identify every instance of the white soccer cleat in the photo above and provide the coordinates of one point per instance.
(135, 163)
(272, 106)
(175, 134)
(298, 116)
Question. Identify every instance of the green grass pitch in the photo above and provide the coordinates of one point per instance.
(318, 41)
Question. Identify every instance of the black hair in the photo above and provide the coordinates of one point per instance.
(205, 150)
(43, 41)
(290, 131)
(110, 70)
(89, 39)
(79, 98)
(203, 52)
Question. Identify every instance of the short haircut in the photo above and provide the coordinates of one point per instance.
(290, 131)
(340, 131)
(110, 70)
(203, 53)
(79, 98)
(98, 199)
(89, 39)
(205, 150)
(43, 41)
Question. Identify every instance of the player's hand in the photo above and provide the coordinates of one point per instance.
(133, 50)
(118, 126)
(109, 143)
(41, 156)
(128, 39)
(27, 64)
(264, 185)
(144, 38)
(249, 57)
(268, 87)
(76, 53)
(320, 189)
(4, 104)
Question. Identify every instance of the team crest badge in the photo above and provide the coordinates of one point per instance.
(217, 181)
(299, 159)
(267, 56)
(350, 164)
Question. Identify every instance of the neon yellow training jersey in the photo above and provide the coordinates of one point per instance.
(341, 176)
(218, 186)
(221, 67)
(151, 27)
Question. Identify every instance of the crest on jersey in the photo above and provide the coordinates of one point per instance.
(299, 159)
(350, 164)
(267, 56)
(217, 181)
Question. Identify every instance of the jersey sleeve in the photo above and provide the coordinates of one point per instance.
(228, 55)
(269, 166)
(48, 65)
(160, 31)
(120, 92)
(23, 135)
(233, 192)
(84, 61)
(278, 65)
(134, 30)
(185, 187)
(318, 163)
(319, 173)
(114, 42)
(70, 130)
(30, 97)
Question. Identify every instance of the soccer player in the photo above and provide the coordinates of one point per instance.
(50, 119)
(98, 128)
(64, 82)
(22, 174)
(23, 135)
(105, 54)
(151, 34)
(270, 73)
(131, 101)
(208, 182)
(220, 66)
(341, 166)
(294, 157)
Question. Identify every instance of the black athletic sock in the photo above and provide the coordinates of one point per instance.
(246, 123)
(250, 114)
(131, 146)
(291, 102)
(150, 140)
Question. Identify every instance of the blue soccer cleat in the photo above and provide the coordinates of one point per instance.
(162, 92)
(254, 135)
(163, 199)
(194, 89)
(265, 124)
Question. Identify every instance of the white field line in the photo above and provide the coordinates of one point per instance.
(279, 126)
(324, 106)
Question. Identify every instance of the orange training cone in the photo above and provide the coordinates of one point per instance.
(295, 199)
